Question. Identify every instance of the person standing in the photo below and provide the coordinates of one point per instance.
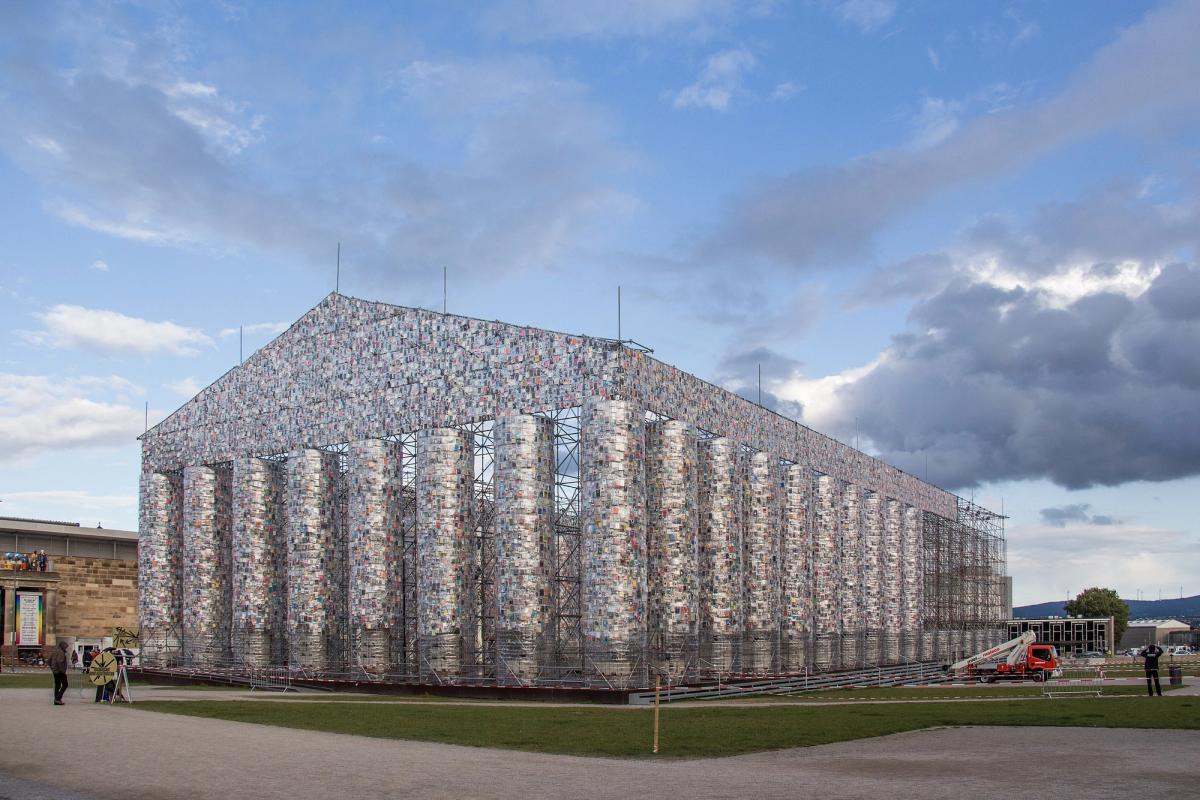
(1151, 653)
(58, 666)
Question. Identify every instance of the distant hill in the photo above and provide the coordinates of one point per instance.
(1181, 608)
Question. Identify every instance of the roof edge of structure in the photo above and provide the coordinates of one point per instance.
(335, 297)
(358, 312)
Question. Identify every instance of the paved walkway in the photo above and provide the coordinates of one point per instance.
(114, 752)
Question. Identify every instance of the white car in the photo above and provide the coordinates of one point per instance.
(1179, 650)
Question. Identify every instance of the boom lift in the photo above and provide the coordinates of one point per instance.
(1022, 657)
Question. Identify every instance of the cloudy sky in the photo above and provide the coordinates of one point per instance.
(961, 235)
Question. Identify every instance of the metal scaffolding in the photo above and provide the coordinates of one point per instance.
(964, 563)
(565, 580)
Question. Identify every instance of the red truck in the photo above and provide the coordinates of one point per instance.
(1022, 658)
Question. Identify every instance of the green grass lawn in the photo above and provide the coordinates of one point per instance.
(32, 680)
(351, 697)
(43, 680)
(686, 732)
(920, 693)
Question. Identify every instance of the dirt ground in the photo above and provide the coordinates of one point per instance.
(113, 752)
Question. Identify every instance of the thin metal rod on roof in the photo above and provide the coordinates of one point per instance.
(760, 384)
(618, 313)
(241, 331)
(337, 280)
(147, 419)
(444, 286)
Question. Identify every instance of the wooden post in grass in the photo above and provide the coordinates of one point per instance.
(657, 686)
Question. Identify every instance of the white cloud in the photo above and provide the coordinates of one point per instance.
(1024, 32)
(73, 505)
(820, 396)
(258, 327)
(785, 90)
(226, 124)
(100, 265)
(719, 81)
(220, 130)
(933, 58)
(134, 230)
(1054, 562)
(71, 497)
(866, 15)
(190, 89)
(113, 332)
(45, 144)
(187, 387)
(937, 119)
(1070, 282)
(40, 412)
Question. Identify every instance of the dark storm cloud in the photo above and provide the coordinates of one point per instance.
(806, 219)
(740, 371)
(1110, 228)
(1119, 222)
(998, 384)
(1176, 294)
(1061, 516)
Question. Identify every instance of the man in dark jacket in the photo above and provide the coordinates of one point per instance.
(1151, 653)
(58, 666)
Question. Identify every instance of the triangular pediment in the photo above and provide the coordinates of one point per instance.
(352, 368)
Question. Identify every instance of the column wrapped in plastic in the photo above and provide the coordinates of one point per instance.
(445, 549)
(614, 537)
(893, 572)
(721, 621)
(912, 644)
(825, 575)
(872, 576)
(313, 560)
(761, 563)
(207, 606)
(259, 562)
(672, 545)
(160, 541)
(850, 576)
(795, 589)
(373, 499)
(943, 644)
(524, 481)
(923, 645)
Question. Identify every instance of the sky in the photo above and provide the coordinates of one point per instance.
(961, 236)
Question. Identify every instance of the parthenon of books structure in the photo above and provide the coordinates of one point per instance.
(421, 497)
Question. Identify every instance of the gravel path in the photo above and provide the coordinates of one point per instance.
(114, 752)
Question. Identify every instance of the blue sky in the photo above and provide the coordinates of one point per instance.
(961, 234)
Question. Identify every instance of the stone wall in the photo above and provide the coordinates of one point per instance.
(95, 596)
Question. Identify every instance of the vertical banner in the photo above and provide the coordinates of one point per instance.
(29, 623)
